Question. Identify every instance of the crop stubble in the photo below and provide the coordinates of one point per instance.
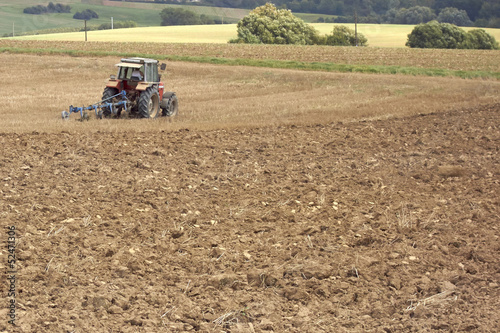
(463, 60)
(213, 96)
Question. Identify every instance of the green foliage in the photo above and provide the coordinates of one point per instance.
(180, 16)
(344, 36)
(413, 15)
(448, 36)
(454, 16)
(87, 14)
(118, 25)
(50, 8)
(270, 25)
(436, 35)
(480, 39)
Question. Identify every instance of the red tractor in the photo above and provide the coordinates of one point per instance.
(136, 89)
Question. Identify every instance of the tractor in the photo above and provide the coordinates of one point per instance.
(136, 89)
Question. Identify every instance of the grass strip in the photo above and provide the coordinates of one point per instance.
(281, 64)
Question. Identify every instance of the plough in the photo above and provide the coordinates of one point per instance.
(99, 107)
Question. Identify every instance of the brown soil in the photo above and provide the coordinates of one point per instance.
(375, 226)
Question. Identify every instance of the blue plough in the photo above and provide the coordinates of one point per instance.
(110, 107)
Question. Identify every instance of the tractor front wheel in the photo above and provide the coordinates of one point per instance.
(149, 103)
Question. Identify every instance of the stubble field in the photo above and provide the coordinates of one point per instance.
(278, 200)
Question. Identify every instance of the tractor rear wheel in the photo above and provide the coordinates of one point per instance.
(169, 105)
(106, 97)
(149, 103)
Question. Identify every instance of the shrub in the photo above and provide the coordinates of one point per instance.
(480, 39)
(180, 16)
(344, 36)
(269, 25)
(448, 36)
(118, 25)
(87, 14)
(50, 8)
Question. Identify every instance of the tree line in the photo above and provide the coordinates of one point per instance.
(269, 25)
(50, 8)
(481, 13)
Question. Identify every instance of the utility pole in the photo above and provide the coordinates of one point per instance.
(85, 30)
(111, 23)
(356, 25)
(356, 4)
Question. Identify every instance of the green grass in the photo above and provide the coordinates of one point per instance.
(283, 64)
(142, 13)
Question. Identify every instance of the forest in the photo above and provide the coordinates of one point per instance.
(481, 13)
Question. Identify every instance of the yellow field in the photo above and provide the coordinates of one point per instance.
(214, 96)
(378, 35)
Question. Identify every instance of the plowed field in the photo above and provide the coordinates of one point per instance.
(386, 225)
(374, 226)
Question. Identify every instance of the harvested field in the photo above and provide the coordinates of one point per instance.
(460, 60)
(282, 201)
(215, 97)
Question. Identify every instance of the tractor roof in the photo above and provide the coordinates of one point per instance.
(133, 62)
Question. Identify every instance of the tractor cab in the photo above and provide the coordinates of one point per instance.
(136, 74)
(138, 69)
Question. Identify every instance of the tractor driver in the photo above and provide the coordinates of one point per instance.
(137, 74)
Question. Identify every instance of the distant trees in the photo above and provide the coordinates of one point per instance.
(50, 8)
(87, 14)
(485, 13)
(412, 15)
(180, 16)
(454, 16)
(448, 36)
(270, 25)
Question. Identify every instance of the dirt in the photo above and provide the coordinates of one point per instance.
(374, 226)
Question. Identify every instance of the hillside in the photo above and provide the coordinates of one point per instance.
(12, 16)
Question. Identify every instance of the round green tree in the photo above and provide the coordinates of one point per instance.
(448, 36)
(345, 36)
(269, 25)
(480, 39)
(436, 36)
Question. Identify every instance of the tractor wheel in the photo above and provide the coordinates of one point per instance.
(108, 92)
(149, 103)
(169, 104)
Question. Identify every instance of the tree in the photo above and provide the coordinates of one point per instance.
(472, 7)
(480, 39)
(454, 16)
(179, 16)
(344, 36)
(414, 15)
(87, 14)
(448, 36)
(436, 35)
(269, 25)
